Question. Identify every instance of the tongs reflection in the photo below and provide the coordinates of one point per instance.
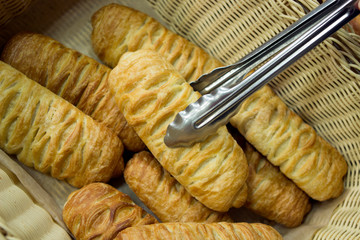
(225, 88)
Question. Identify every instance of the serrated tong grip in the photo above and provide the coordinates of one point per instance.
(224, 89)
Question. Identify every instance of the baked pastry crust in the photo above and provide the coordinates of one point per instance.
(100, 211)
(118, 29)
(150, 92)
(75, 77)
(271, 194)
(160, 192)
(199, 231)
(51, 135)
(283, 137)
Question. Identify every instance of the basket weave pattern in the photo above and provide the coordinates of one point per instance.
(11, 9)
(323, 87)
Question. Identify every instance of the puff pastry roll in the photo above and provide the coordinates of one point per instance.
(150, 92)
(271, 194)
(75, 77)
(283, 137)
(160, 192)
(199, 231)
(99, 211)
(118, 29)
(51, 135)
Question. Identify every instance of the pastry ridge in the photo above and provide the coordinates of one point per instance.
(75, 77)
(206, 231)
(149, 92)
(118, 29)
(99, 210)
(160, 192)
(283, 137)
(51, 135)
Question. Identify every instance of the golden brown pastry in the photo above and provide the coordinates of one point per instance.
(199, 231)
(118, 29)
(283, 137)
(271, 194)
(306, 159)
(150, 92)
(75, 77)
(160, 192)
(51, 135)
(100, 211)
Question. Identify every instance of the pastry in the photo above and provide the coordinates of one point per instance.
(73, 76)
(160, 192)
(286, 141)
(100, 211)
(118, 29)
(312, 163)
(150, 92)
(20, 216)
(51, 135)
(271, 194)
(199, 231)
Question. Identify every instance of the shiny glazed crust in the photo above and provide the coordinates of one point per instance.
(163, 195)
(99, 211)
(283, 137)
(51, 135)
(201, 231)
(150, 92)
(118, 29)
(271, 194)
(75, 77)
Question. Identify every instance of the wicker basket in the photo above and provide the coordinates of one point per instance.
(323, 87)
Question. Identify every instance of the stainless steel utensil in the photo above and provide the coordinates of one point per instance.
(225, 88)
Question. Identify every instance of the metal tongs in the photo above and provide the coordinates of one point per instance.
(224, 89)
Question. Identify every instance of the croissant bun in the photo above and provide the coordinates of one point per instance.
(199, 231)
(118, 29)
(160, 192)
(51, 135)
(75, 77)
(100, 211)
(150, 92)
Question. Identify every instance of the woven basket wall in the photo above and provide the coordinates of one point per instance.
(11, 9)
(323, 87)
